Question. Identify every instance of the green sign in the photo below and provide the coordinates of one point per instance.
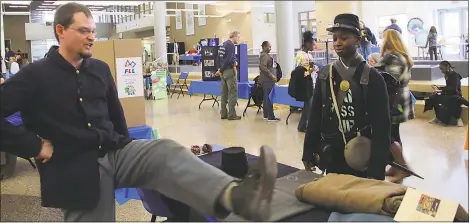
(158, 78)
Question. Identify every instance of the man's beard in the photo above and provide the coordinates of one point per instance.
(85, 55)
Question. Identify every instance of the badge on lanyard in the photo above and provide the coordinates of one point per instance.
(344, 85)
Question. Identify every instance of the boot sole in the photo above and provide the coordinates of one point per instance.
(268, 170)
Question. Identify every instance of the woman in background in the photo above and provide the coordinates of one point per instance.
(303, 69)
(397, 61)
(432, 42)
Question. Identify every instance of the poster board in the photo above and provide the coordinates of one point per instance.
(108, 51)
(158, 78)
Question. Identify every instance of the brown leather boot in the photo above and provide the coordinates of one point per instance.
(396, 175)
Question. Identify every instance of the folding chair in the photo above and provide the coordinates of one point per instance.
(183, 76)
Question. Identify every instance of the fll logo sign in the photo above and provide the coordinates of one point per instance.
(129, 67)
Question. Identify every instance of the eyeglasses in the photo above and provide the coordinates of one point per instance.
(85, 31)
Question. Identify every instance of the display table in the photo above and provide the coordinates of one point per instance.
(213, 88)
(196, 58)
(279, 95)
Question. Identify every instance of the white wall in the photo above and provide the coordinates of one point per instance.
(262, 31)
(267, 31)
(297, 7)
(425, 10)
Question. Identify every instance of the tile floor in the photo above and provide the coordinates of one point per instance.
(434, 152)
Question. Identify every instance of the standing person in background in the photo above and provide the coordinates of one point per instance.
(8, 54)
(14, 66)
(176, 55)
(394, 25)
(366, 38)
(432, 42)
(228, 74)
(357, 112)
(267, 78)
(3, 67)
(303, 69)
(397, 61)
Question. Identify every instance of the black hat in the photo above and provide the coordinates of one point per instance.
(346, 21)
(234, 162)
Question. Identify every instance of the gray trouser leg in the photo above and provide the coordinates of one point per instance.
(223, 98)
(230, 78)
(161, 165)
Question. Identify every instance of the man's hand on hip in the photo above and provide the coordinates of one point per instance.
(46, 151)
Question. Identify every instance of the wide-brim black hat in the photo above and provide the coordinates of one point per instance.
(234, 162)
(346, 21)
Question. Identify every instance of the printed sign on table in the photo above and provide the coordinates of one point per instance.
(159, 84)
(129, 77)
(419, 206)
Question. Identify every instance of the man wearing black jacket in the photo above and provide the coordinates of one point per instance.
(74, 126)
(323, 125)
(366, 41)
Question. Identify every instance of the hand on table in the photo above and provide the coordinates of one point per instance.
(309, 165)
(218, 73)
(46, 151)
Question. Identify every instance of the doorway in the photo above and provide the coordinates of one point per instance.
(453, 26)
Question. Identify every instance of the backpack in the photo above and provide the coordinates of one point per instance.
(257, 92)
(278, 71)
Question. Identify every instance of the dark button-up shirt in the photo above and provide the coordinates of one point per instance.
(78, 110)
(227, 55)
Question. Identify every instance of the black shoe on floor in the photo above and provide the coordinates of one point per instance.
(251, 199)
(235, 118)
(223, 117)
(274, 119)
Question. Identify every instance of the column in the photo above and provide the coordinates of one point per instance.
(159, 29)
(2, 33)
(284, 38)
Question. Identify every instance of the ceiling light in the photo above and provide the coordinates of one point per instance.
(47, 6)
(208, 16)
(17, 2)
(232, 11)
(18, 6)
(195, 2)
(218, 3)
(181, 10)
(104, 3)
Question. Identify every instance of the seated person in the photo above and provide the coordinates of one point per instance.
(447, 101)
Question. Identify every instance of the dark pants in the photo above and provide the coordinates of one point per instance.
(433, 50)
(268, 111)
(305, 115)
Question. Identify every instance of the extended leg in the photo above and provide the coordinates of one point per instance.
(171, 169)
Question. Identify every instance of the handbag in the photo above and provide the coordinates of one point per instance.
(357, 151)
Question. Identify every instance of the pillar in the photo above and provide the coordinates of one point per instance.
(284, 36)
(2, 33)
(326, 11)
(159, 29)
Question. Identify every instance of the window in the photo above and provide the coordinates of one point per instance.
(269, 18)
(307, 22)
(452, 30)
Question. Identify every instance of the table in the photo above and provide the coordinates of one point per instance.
(213, 88)
(214, 159)
(279, 95)
(196, 58)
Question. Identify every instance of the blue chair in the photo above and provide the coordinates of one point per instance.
(183, 77)
(169, 82)
(160, 205)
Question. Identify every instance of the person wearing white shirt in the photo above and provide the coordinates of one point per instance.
(14, 67)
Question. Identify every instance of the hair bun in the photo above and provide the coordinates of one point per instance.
(307, 35)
